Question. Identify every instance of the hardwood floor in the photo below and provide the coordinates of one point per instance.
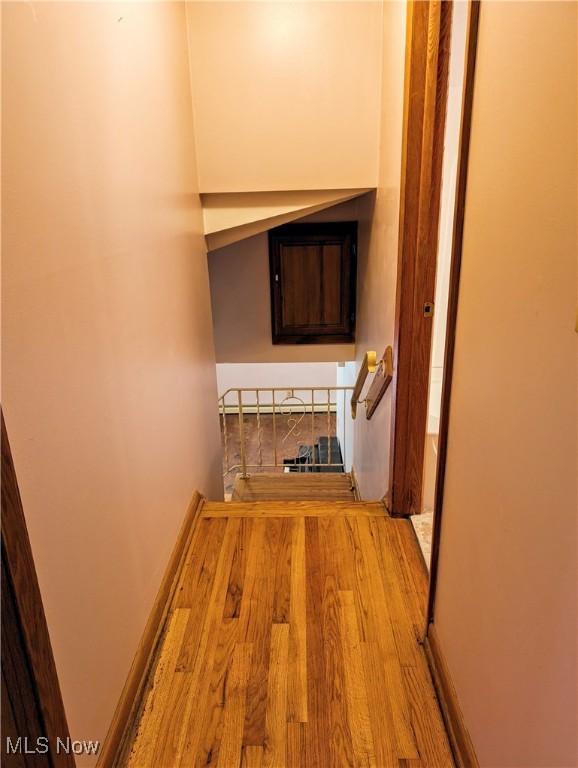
(297, 486)
(292, 641)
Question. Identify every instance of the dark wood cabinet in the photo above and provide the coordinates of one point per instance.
(313, 282)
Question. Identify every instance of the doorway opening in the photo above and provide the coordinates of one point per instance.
(422, 519)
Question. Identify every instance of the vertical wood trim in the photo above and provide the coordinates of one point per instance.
(426, 85)
(36, 639)
(455, 268)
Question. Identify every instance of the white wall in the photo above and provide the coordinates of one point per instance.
(506, 608)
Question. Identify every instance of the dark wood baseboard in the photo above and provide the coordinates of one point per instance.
(128, 706)
(460, 741)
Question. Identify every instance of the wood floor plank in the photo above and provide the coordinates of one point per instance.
(196, 589)
(403, 603)
(254, 559)
(210, 720)
(381, 712)
(198, 572)
(296, 745)
(212, 729)
(424, 718)
(433, 746)
(297, 673)
(333, 532)
(238, 568)
(259, 619)
(252, 757)
(413, 584)
(317, 732)
(182, 749)
(143, 749)
(414, 563)
(380, 628)
(355, 683)
(235, 704)
(353, 545)
(276, 718)
(282, 589)
(340, 738)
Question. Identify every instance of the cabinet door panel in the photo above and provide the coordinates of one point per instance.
(332, 257)
(313, 272)
(302, 288)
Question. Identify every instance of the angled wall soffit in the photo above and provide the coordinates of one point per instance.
(232, 216)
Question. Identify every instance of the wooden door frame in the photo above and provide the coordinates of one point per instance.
(428, 38)
(454, 286)
(18, 560)
(459, 737)
(410, 254)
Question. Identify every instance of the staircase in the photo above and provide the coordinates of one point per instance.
(295, 486)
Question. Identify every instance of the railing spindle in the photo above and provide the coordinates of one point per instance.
(328, 426)
(313, 426)
(242, 434)
(274, 431)
(259, 430)
(225, 436)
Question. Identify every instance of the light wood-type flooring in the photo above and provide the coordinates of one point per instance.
(293, 641)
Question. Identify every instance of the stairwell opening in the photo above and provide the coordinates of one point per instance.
(284, 419)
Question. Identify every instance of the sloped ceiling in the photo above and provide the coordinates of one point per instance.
(230, 217)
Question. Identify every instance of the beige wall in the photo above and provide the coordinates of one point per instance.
(240, 294)
(506, 602)
(377, 263)
(286, 94)
(108, 365)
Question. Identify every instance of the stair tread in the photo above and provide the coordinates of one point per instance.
(269, 486)
(291, 508)
(342, 477)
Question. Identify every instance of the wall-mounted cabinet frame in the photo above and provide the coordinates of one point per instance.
(313, 271)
